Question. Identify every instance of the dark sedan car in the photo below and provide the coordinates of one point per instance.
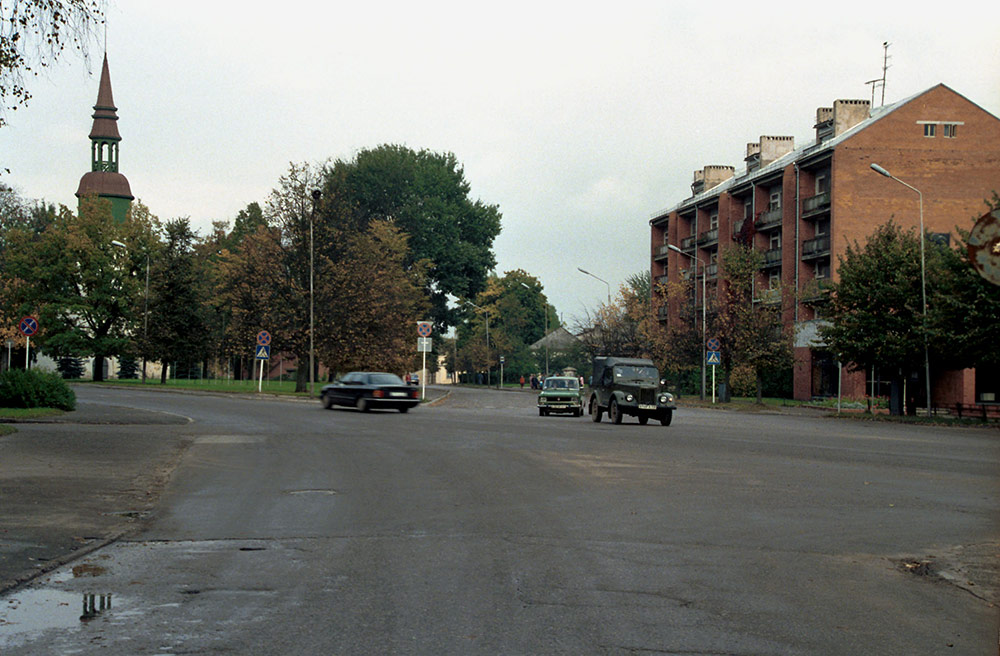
(365, 390)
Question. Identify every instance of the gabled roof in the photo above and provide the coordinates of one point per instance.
(814, 148)
(560, 338)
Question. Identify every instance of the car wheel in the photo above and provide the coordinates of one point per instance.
(643, 420)
(327, 401)
(404, 409)
(614, 412)
(667, 417)
(362, 404)
(595, 411)
(541, 413)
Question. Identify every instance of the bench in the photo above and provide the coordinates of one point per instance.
(982, 411)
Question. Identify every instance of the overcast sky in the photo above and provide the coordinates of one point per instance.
(579, 120)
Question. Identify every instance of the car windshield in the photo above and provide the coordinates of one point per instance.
(385, 379)
(561, 383)
(630, 372)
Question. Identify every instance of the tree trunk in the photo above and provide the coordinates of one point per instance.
(760, 388)
(302, 372)
(98, 371)
(163, 373)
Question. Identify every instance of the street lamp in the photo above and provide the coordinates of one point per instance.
(704, 305)
(923, 278)
(601, 279)
(316, 193)
(145, 310)
(489, 363)
(546, 331)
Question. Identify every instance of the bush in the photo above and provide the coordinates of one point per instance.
(70, 367)
(34, 389)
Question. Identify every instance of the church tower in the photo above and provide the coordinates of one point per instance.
(104, 180)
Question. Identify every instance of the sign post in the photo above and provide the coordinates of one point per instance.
(424, 329)
(713, 358)
(28, 327)
(263, 352)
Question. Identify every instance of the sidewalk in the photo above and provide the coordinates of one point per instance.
(72, 483)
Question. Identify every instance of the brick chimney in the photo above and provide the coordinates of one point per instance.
(848, 113)
(710, 176)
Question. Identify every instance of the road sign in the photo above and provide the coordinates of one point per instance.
(263, 338)
(424, 328)
(713, 358)
(713, 344)
(263, 352)
(28, 326)
(424, 344)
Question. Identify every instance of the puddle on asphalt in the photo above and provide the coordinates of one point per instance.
(28, 612)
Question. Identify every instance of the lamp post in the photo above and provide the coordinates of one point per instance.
(596, 278)
(704, 305)
(489, 363)
(145, 310)
(546, 309)
(923, 278)
(316, 194)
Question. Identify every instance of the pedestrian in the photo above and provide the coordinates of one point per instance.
(522, 381)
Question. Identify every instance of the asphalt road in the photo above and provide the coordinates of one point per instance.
(477, 527)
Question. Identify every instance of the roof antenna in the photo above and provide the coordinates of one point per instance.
(880, 81)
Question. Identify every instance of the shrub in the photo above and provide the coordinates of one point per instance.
(35, 389)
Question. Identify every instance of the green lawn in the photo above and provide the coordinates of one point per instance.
(28, 413)
(215, 385)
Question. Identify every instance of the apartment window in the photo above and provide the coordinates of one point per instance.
(775, 200)
(713, 220)
(930, 129)
(822, 227)
(821, 269)
(774, 242)
(822, 183)
(774, 280)
(950, 130)
(748, 209)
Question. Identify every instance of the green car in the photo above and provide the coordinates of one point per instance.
(560, 394)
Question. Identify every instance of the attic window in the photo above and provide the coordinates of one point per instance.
(930, 129)
(950, 130)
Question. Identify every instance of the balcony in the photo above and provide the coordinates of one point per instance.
(661, 280)
(709, 237)
(712, 271)
(738, 225)
(816, 248)
(816, 205)
(688, 243)
(661, 252)
(769, 220)
(817, 290)
(772, 259)
(661, 313)
(768, 297)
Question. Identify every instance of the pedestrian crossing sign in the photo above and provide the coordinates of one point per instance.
(263, 352)
(713, 358)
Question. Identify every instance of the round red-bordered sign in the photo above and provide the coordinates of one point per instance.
(263, 338)
(28, 326)
(424, 328)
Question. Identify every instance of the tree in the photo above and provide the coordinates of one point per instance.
(748, 323)
(178, 326)
(85, 289)
(426, 195)
(33, 34)
(369, 303)
(622, 327)
(875, 309)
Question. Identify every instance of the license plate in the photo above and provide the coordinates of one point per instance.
(647, 407)
(397, 394)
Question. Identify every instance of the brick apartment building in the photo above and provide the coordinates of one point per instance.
(809, 203)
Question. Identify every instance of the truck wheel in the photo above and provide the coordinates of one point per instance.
(666, 417)
(643, 419)
(595, 411)
(614, 412)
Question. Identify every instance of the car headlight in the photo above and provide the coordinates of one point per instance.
(629, 398)
(541, 400)
(666, 398)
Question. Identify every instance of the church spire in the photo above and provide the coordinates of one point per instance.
(104, 180)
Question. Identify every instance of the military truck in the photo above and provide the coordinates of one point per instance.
(629, 386)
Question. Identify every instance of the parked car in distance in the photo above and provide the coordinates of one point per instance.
(560, 394)
(366, 390)
(629, 386)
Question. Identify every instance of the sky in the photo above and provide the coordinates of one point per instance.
(580, 121)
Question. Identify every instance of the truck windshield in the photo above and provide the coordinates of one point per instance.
(636, 373)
